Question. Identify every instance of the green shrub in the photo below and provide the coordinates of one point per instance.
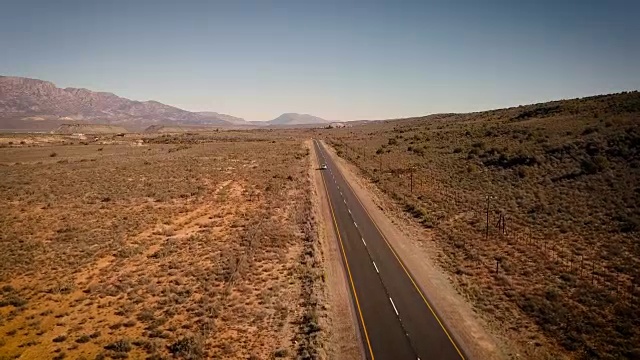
(83, 339)
(522, 172)
(60, 338)
(121, 345)
(13, 300)
(281, 353)
(594, 165)
(187, 347)
(628, 224)
(472, 168)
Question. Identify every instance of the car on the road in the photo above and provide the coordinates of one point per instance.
(323, 167)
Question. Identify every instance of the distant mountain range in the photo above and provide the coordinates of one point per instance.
(228, 118)
(297, 119)
(33, 104)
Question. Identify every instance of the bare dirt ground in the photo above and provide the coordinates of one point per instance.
(343, 336)
(191, 246)
(418, 255)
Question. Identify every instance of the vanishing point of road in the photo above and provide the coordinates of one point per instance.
(395, 319)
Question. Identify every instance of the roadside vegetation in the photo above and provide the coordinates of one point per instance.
(559, 267)
(188, 246)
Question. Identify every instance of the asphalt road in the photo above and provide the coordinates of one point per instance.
(395, 319)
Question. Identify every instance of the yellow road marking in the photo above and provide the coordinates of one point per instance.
(344, 256)
(405, 271)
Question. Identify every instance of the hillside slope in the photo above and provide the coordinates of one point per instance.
(557, 265)
(296, 119)
(37, 100)
(228, 118)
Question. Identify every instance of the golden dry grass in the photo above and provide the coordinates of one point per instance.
(195, 246)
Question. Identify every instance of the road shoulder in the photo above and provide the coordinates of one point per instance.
(418, 253)
(341, 322)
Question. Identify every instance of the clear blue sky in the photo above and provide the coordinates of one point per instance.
(339, 60)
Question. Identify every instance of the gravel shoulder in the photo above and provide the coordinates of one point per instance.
(415, 246)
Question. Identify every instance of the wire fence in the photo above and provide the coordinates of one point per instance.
(410, 185)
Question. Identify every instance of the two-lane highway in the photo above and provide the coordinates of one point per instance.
(395, 319)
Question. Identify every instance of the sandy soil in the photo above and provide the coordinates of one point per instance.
(154, 252)
(343, 337)
(417, 250)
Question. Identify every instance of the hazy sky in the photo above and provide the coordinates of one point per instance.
(339, 60)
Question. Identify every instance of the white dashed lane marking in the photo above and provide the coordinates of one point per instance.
(394, 306)
(365, 244)
(374, 265)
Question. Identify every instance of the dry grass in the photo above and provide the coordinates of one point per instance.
(194, 246)
(564, 176)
